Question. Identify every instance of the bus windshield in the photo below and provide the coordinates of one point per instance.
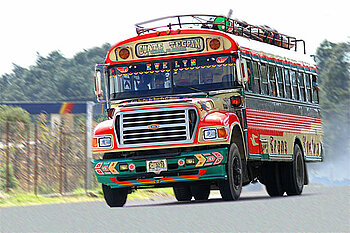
(177, 76)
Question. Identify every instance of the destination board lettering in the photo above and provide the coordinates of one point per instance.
(159, 48)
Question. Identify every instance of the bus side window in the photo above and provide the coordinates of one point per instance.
(308, 88)
(301, 86)
(287, 83)
(315, 89)
(256, 77)
(249, 85)
(293, 78)
(264, 84)
(280, 82)
(272, 78)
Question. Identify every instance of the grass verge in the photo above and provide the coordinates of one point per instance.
(79, 195)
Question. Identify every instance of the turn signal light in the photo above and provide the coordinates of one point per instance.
(124, 53)
(236, 101)
(214, 44)
(94, 142)
(222, 133)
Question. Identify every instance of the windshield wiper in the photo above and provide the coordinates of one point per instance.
(194, 89)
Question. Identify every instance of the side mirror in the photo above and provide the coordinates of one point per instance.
(98, 85)
(244, 70)
(239, 71)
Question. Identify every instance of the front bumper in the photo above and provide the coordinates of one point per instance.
(208, 165)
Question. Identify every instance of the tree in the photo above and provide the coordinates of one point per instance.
(54, 78)
(333, 61)
(13, 114)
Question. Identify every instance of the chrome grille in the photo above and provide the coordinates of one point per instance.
(173, 127)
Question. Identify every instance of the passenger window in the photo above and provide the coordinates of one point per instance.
(256, 77)
(249, 85)
(308, 88)
(264, 88)
(272, 75)
(315, 90)
(301, 86)
(293, 77)
(287, 81)
(280, 82)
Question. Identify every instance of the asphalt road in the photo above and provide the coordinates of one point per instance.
(318, 209)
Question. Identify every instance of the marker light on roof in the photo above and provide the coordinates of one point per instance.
(124, 53)
(214, 44)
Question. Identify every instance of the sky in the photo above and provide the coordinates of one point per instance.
(70, 26)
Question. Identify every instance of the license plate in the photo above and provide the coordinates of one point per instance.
(156, 166)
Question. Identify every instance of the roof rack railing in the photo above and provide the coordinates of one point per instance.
(263, 34)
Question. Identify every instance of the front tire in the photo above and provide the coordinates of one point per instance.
(231, 188)
(182, 193)
(115, 197)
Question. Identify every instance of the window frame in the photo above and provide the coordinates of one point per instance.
(262, 64)
(273, 76)
(295, 88)
(280, 67)
(308, 89)
(317, 99)
(257, 77)
(301, 86)
(249, 62)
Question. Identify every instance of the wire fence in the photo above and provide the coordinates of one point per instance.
(44, 159)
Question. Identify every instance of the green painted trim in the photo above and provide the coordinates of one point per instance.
(212, 171)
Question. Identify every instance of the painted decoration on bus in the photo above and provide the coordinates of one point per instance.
(186, 45)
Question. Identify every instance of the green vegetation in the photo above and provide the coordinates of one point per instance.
(78, 195)
(54, 78)
(13, 183)
(9, 113)
(333, 61)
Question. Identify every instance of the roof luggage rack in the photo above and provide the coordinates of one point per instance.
(263, 34)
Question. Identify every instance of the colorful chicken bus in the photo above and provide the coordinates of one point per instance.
(203, 102)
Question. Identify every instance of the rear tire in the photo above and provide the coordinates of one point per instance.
(182, 193)
(231, 188)
(294, 173)
(200, 192)
(115, 197)
(272, 179)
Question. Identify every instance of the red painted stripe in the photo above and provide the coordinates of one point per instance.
(283, 115)
(259, 119)
(201, 172)
(262, 55)
(69, 108)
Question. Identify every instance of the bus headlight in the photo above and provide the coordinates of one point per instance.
(209, 134)
(105, 141)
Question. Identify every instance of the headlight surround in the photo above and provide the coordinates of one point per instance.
(209, 134)
(105, 142)
(217, 133)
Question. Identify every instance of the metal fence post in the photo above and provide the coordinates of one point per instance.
(36, 159)
(61, 159)
(89, 113)
(7, 157)
(28, 157)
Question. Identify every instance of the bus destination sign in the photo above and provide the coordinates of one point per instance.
(186, 45)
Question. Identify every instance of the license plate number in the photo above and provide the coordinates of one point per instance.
(156, 166)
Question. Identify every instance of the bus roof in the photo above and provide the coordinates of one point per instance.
(258, 41)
